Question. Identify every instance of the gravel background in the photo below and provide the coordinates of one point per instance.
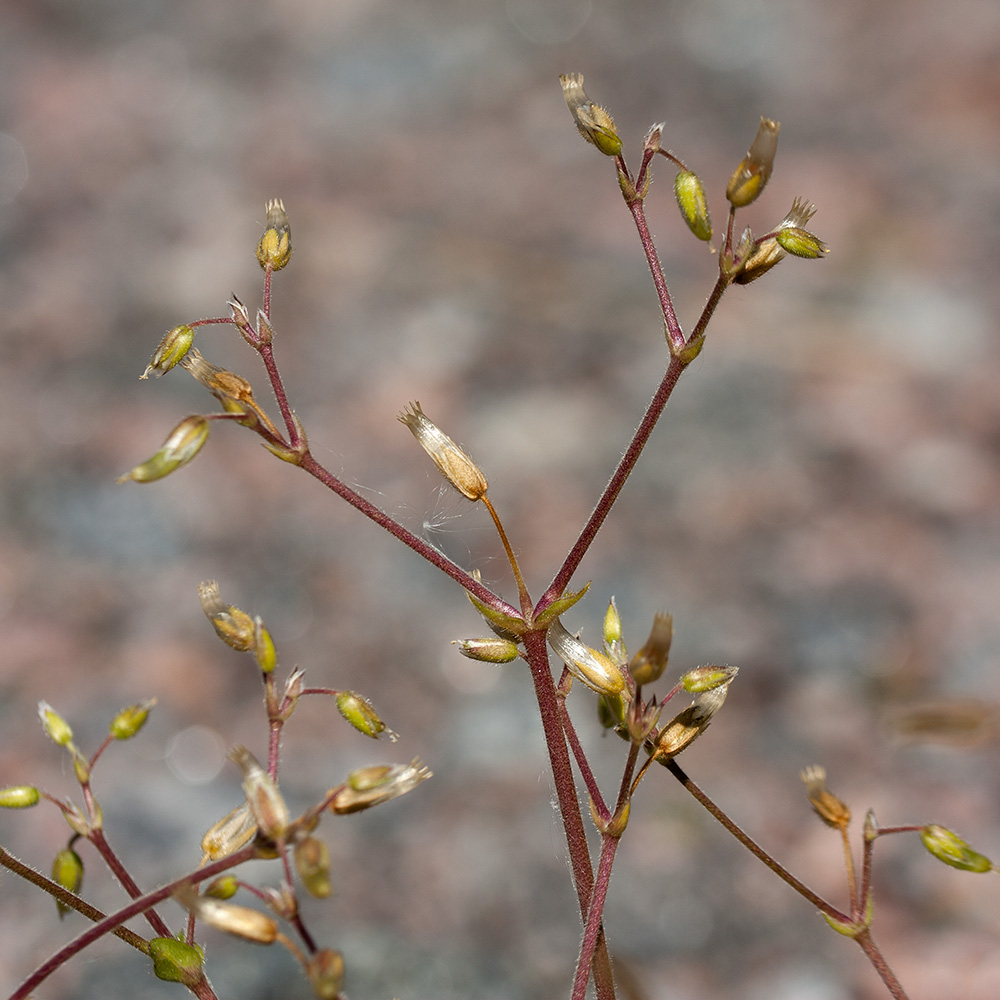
(819, 506)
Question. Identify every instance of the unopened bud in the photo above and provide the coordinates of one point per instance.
(223, 887)
(826, 805)
(18, 797)
(370, 786)
(266, 803)
(81, 766)
(952, 850)
(176, 961)
(752, 174)
(233, 626)
(648, 664)
(691, 200)
(325, 970)
(702, 679)
(593, 668)
(801, 243)
(491, 649)
(130, 720)
(263, 647)
(275, 246)
(612, 628)
(240, 921)
(55, 726)
(360, 713)
(175, 344)
(312, 862)
(229, 834)
(67, 871)
(453, 463)
(182, 444)
(591, 120)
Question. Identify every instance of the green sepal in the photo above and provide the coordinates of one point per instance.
(559, 605)
(176, 961)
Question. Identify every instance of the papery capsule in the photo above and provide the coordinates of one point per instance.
(648, 664)
(826, 805)
(240, 921)
(453, 463)
(593, 668)
(233, 626)
(229, 834)
(591, 120)
(181, 445)
(752, 174)
(266, 802)
(370, 786)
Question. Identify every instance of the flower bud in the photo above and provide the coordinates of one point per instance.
(229, 834)
(176, 961)
(233, 626)
(223, 887)
(266, 803)
(81, 766)
(801, 243)
(647, 666)
(591, 120)
(55, 726)
(612, 627)
(690, 195)
(325, 970)
(263, 647)
(360, 713)
(491, 649)
(826, 805)
(312, 862)
(275, 246)
(370, 786)
(240, 921)
(752, 174)
(67, 871)
(599, 672)
(952, 850)
(453, 463)
(702, 679)
(182, 444)
(130, 720)
(18, 797)
(174, 345)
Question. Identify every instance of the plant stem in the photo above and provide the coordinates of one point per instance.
(868, 946)
(755, 849)
(108, 924)
(569, 806)
(593, 930)
(70, 899)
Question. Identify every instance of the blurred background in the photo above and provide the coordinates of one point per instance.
(820, 504)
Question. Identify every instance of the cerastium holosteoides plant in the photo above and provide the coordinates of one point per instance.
(525, 629)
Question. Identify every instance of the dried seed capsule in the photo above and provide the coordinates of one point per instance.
(599, 672)
(648, 664)
(370, 786)
(751, 176)
(266, 803)
(182, 444)
(233, 626)
(826, 805)
(591, 120)
(453, 463)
